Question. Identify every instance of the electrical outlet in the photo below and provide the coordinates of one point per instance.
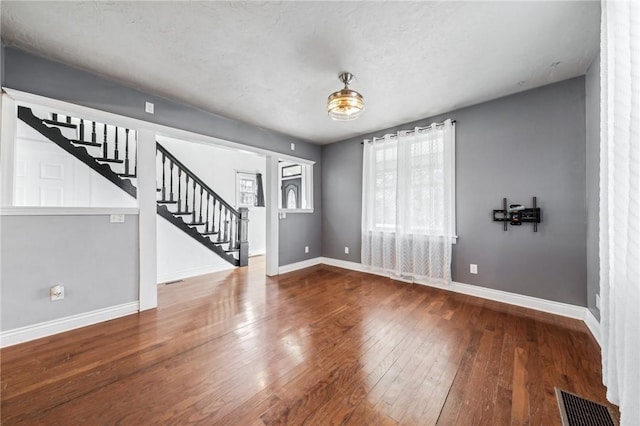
(346, 250)
(148, 107)
(293, 146)
(598, 301)
(116, 218)
(306, 249)
(473, 268)
(56, 292)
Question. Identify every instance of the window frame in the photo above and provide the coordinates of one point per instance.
(391, 228)
(306, 187)
(240, 176)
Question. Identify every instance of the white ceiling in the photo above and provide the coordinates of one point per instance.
(273, 64)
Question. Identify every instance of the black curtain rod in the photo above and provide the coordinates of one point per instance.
(406, 131)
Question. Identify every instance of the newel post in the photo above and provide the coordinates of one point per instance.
(244, 236)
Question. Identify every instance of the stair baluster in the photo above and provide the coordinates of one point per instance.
(93, 132)
(54, 116)
(104, 142)
(201, 192)
(206, 226)
(193, 207)
(126, 152)
(164, 188)
(186, 195)
(213, 217)
(226, 225)
(219, 221)
(81, 130)
(116, 154)
(170, 180)
(179, 188)
(135, 156)
(232, 242)
(68, 119)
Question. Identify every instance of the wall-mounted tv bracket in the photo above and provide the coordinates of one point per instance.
(516, 214)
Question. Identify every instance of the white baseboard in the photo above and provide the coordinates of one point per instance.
(354, 266)
(550, 306)
(558, 308)
(44, 329)
(192, 272)
(299, 265)
(593, 325)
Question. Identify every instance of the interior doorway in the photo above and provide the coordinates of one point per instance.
(237, 178)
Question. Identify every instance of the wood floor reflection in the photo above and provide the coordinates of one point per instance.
(317, 346)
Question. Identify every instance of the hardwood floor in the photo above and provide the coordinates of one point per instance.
(318, 346)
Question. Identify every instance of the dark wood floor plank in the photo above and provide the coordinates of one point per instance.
(316, 346)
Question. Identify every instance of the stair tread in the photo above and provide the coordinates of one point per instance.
(54, 134)
(221, 242)
(60, 123)
(109, 160)
(87, 143)
(210, 233)
(166, 201)
(182, 213)
(196, 223)
(127, 175)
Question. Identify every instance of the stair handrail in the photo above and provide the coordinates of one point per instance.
(194, 177)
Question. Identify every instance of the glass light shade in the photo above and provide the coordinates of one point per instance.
(345, 105)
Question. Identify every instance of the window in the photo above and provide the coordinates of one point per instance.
(408, 204)
(410, 169)
(246, 190)
(296, 183)
(250, 190)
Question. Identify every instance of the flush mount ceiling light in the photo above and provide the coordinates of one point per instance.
(345, 104)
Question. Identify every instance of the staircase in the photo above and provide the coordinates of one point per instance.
(183, 198)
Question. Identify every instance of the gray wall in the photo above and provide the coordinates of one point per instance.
(33, 74)
(592, 89)
(531, 143)
(39, 252)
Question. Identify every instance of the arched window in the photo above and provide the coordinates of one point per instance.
(291, 199)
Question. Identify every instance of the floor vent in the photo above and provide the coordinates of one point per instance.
(577, 411)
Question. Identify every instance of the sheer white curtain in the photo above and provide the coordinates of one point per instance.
(620, 206)
(408, 203)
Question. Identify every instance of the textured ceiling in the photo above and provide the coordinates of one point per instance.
(273, 64)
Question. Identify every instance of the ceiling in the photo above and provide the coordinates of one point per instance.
(273, 64)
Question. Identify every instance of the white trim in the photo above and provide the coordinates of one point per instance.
(354, 266)
(8, 113)
(48, 328)
(295, 210)
(124, 121)
(192, 272)
(593, 325)
(271, 189)
(66, 211)
(299, 265)
(550, 306)
(147, 225)
(558, 308)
